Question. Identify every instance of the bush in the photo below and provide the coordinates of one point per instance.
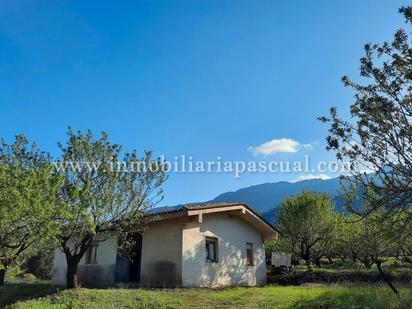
(13, 271)
(41, 264)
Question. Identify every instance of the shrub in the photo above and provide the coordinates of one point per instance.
(41, 264)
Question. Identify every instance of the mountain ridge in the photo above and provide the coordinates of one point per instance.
(265, 198)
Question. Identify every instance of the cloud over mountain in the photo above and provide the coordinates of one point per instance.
(283, 145)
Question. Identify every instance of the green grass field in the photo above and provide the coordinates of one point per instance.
(340, 272)
(43, 296)
(339, 285)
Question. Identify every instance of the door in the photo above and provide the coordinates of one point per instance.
(128, 265)
(135, 259)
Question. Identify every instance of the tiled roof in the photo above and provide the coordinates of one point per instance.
(192, 206)
(170, 209)
(164, 210)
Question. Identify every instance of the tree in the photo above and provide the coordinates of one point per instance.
(28, 198)
(105, 197)
(376, 244)
(404, 243)
(281, 244)
(346, 234)
(379, 135)
(369, 240)
(322, 249)
(306, 220)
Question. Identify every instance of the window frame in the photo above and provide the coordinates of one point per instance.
(215, 242)
(90, 257)
(249, 254)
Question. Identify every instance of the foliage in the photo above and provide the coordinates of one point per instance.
(281, 244)
(404, 243)
(306, 220)
(379, 136)
(41, 263)
(345, 272)
(14, 269)
(346, 235)
(375, 238)
(103, 200)
(313, 231)
(28, 199)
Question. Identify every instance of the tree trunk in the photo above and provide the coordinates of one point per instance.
(307, 261)
(2, 276)
(317, 263)
(73, 260)
(379, 265)
(406, 256)
(71, 277)
(354, 259)
(367, 263)
(305, 255)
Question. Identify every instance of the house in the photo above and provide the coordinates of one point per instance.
(193, 245)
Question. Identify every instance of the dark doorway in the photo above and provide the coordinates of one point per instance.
(135, 259)
(128, 265)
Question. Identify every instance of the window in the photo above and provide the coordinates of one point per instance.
(91, 255)
(211, 250)
(249, 254)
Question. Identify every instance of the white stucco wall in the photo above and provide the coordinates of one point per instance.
(232, 269)
(161, 264)
(100, 274)
(174, 255)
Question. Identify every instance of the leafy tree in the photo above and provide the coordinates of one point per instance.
(404, 243)
(336, 244)
(306, 220)
(280, 244)
(369, 240)
(103, 199)
(322, 249)
(376, 244)
(28, 199)
(345, 235)
(379, 135)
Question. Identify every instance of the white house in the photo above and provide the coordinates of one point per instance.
(194, 245)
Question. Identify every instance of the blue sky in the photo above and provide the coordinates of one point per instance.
(199, 78)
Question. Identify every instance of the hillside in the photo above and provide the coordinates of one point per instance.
(265, 198)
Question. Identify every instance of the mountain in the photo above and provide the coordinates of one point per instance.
(265, 198)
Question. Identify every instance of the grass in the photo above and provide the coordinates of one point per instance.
(340, 272)
(306, 296)
(12, 292)
(336, 285)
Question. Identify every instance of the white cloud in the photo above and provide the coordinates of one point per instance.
(312, 176)
(285, 145)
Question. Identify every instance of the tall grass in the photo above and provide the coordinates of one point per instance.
(307, 296)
